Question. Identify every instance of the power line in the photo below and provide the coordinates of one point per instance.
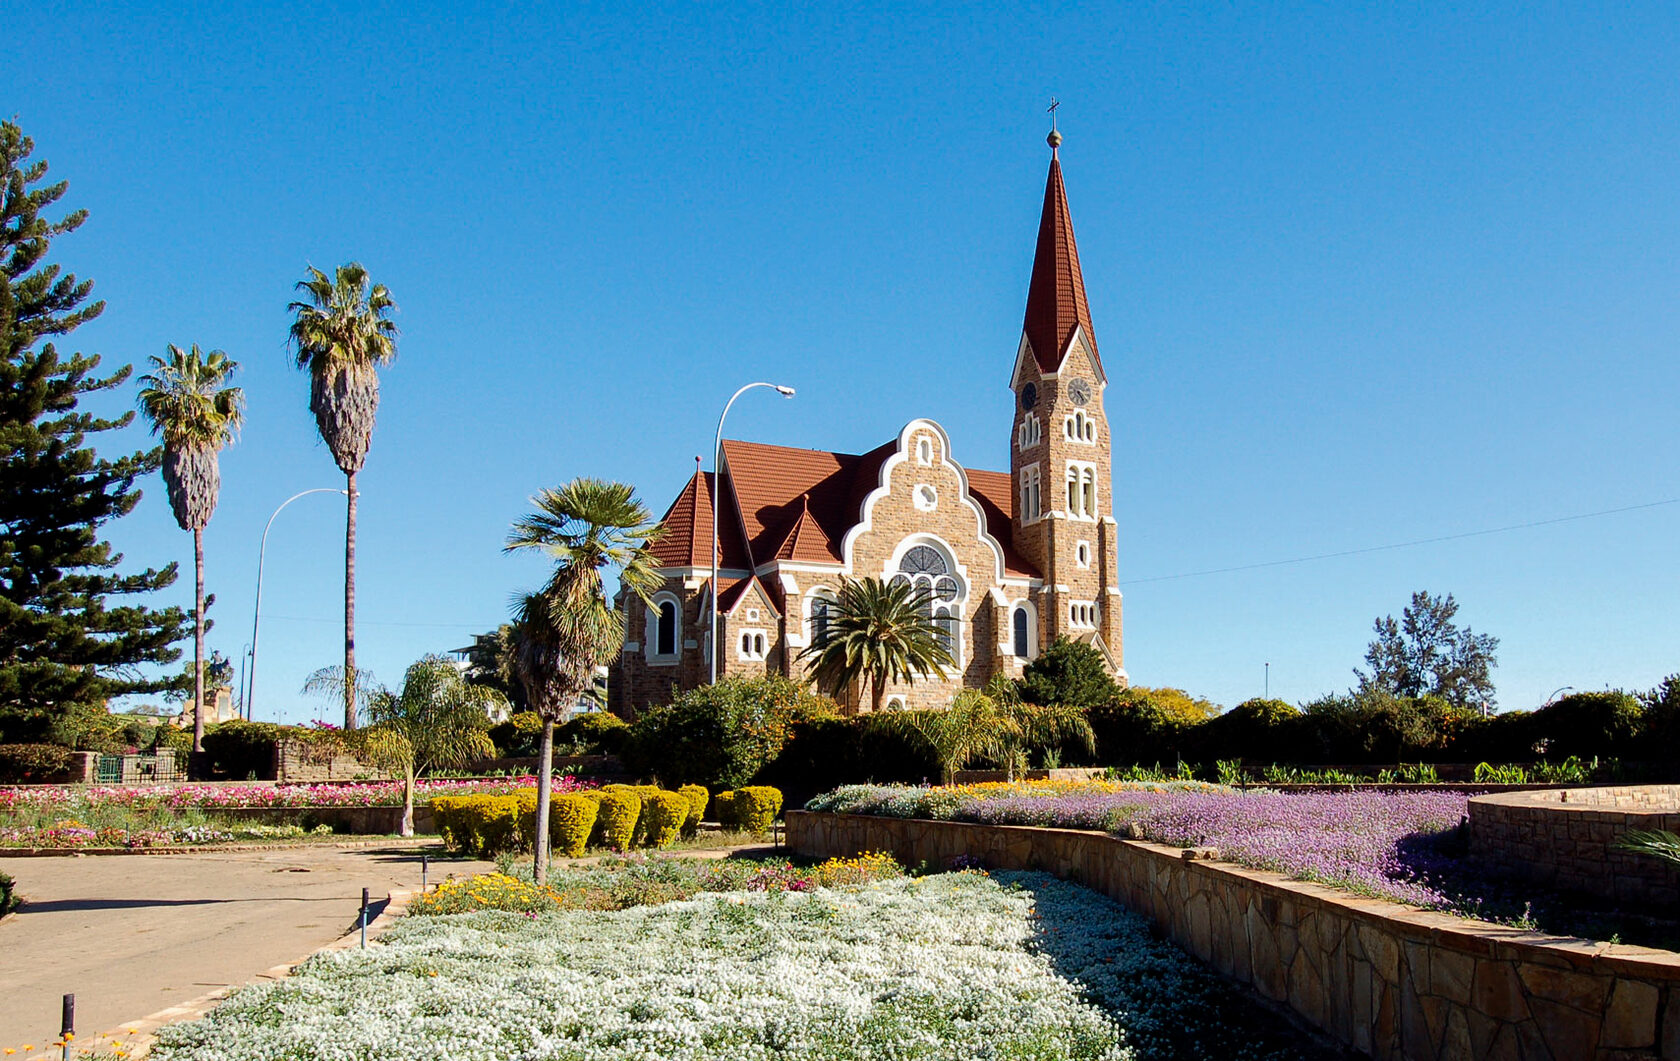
(372, 622)
(1403, 545)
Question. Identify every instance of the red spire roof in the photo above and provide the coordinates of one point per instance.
(1056, 295)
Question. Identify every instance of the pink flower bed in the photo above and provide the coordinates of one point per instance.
(233, 797)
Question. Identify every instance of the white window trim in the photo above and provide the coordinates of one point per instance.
(654, 656)
(1083, 475)
(817, 593)
(752, 646)
(1082, 553)
(1032, 489)
(1027, 606)
(1029, 433)
(1080, 427)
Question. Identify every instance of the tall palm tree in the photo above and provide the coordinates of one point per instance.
(562, 632)
(436, 719)
(877, 631)
(187, 401)
(341, 334)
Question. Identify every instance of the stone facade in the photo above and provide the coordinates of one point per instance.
(1016, 558)
(1390, 981)
(1566, 839)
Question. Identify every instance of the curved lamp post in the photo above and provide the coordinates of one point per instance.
(717, 458)
(256, 612)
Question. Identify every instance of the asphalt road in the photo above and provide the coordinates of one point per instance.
(133, 934)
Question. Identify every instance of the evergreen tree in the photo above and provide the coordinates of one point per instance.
(63, 649)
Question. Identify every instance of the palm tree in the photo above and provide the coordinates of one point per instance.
(187, 402)
(562, 632)
(341, 335)
(877, 631)
(436, 719)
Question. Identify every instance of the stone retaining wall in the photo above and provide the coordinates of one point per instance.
(1566, 839)
(1387, 980)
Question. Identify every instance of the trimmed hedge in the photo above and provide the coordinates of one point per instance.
(697, 799)
(723, 806)
(663, 816)
(571, 818)
(756, 807)
(615, 825)
(478, 825)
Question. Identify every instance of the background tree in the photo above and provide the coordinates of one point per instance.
(1068, 672)
(877, 632)
(63, 650)
(341, 333)
(187, 401)
(563, 632)
(490, 663)
(437, 719)
(974, 726)
(1426, 652)
(722, 735)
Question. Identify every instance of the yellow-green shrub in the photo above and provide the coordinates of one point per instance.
(615, 824)
(663, 815)
(478, 825)
(646, 792)
(697, 798)
(571, 817)
(756, 807)
(723, 805)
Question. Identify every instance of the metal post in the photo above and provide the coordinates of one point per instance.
(256, 612)
(364, 917)
(68, 1031)
(717, 486)
(422, 874)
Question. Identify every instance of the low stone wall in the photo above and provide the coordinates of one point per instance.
(1387, 980)
(301, 763)
(359, 821)
(1566, 839)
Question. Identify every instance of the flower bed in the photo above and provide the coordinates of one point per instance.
(1373, 843)
(954, 966)
(220, 797)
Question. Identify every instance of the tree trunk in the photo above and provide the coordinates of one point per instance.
(198, 639)
(877, 689)
(545, 766)
(350, 604)
(408, 800)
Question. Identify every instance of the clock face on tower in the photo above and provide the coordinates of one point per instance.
(1080, 392)
(1029, 396)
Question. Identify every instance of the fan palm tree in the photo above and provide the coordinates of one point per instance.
(877, 631)
(436, 719)
(562, 632)
(341, 334)
(188, 403)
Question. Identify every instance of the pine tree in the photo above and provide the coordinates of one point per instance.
(63, 649)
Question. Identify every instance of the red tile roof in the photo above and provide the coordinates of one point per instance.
(1056, 294)
(797, 505)
(736, 588)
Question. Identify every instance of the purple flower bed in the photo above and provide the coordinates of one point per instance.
(1383, 844)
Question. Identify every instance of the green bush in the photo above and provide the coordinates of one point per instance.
(615, 823)
(697, 798)
(1587, 724)
(756, 807)
(8, 896)
(721, 734)
(663, 815)
(723, 806)
(596, 733)
(519, 735)
(571, 818)
(26, 764)
(1068, 672)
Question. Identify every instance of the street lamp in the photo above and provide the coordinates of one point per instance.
(256, 612)
(717, 458)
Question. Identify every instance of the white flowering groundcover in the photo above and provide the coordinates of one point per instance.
(953, 966)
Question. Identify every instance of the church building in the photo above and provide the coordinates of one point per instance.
(1013, 559)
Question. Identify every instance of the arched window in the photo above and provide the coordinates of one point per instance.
(1031, 495)
(665, 639)
(1082, 490)
(924, 451)
(1022, 645)
(1029, 432)
(821, 609)
(1079, 427)
(926, 568)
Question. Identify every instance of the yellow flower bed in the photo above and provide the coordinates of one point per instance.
(863, 869)
(488, 891)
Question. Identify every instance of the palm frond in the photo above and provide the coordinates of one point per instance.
(1655, 843)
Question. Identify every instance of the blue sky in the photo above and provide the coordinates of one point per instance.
(1361, 274)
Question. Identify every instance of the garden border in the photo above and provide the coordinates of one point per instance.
(1391, 981)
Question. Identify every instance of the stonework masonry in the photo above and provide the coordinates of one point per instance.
(1566, 839)
(1392, 982)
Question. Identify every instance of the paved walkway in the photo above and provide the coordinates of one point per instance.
(134, 934)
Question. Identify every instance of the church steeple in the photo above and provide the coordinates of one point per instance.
(1056, 302)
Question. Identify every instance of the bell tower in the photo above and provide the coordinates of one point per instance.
(1061, 460)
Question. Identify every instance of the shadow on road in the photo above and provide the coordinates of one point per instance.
(72, 905)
